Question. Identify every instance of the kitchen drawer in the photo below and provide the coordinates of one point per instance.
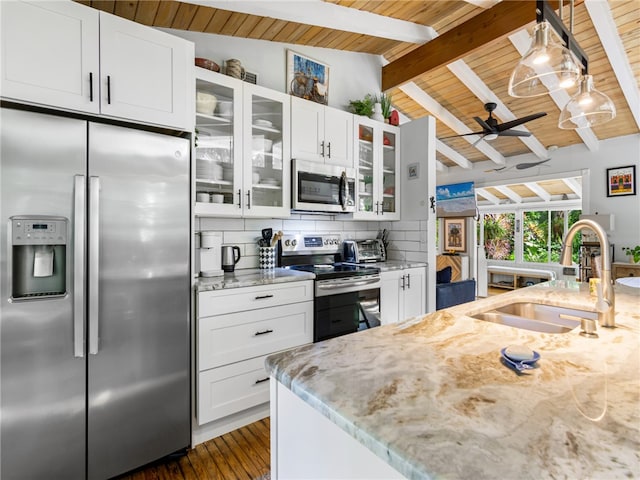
(238, 336)
(226, 390)
(249, 298)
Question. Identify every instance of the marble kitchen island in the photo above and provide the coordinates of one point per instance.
(431, 398)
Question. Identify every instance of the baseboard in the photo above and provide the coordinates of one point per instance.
(202, 433)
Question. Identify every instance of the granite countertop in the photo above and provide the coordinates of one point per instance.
(397, 265)
(250, 278)
(432, 397)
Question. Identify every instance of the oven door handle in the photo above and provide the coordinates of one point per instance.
(347, 284)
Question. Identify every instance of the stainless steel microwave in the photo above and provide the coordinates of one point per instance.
(317, 187)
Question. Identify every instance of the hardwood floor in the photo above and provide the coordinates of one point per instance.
(239, 455)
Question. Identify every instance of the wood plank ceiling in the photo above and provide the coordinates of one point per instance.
(443, 89)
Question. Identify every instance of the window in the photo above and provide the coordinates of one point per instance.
(499, 235)
(540, 240)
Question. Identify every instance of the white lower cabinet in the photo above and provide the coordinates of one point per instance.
(402, 294)
(237, 329)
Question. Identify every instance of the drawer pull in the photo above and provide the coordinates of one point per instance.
(264, 332)
(261, 297)
(261, 380)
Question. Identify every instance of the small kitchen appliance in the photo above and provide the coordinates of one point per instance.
(211, 254)
(229, 258)
(347, 296)
(362, 251)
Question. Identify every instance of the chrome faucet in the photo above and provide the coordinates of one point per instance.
(606, 298)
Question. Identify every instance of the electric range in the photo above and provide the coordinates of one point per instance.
(347, 296)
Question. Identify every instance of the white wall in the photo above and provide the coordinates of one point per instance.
(351, 75)
(615, 152)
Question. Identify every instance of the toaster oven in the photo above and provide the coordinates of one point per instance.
(361, 251)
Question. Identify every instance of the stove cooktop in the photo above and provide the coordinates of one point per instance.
(337, 270)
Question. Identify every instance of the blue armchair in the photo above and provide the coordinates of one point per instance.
(450, 293)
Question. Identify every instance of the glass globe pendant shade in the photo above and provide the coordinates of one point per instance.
(587, 108)
(546, 67)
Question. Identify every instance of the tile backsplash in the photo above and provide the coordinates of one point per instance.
(407, 239)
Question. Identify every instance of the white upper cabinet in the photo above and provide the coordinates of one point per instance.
(50, 54)
(377, 162)
(242, 152)
(70, 56)
(321, 133)
(145, 74)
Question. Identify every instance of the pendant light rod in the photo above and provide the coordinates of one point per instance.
(544, 11)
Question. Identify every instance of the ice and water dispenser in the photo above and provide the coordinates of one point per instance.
(39, 257)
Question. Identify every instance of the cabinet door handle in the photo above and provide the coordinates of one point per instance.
(261, 380)
(403, 284)
(249, 199)
(239, 198)
(263, 332)
(329, 150)
(322, 148)
(91, 86)
(260, 297)
(408, 280)
(109, 89)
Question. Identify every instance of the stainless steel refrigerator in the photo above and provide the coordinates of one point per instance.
(95, 285)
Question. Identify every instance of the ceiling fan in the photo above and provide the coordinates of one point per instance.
(525, 165)
(519, 166)
(491, 129)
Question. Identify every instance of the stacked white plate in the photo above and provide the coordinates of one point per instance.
(204, 168)
(270, 181)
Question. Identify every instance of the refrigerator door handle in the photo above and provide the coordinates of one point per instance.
(78, 265)
(94, 262)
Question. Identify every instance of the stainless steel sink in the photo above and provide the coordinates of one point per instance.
(537, 317)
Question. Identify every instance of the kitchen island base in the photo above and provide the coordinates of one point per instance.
(305, 444)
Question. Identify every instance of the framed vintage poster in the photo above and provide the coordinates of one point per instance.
(307, 78)
(454, 235)
(621, 181)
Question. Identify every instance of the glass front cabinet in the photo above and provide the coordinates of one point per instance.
(377, 162)
(241, 150)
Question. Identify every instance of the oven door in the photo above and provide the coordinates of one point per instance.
(345, 306)
(322, 188)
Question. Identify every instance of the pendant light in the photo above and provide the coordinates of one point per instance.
(587, 108)
(549, 66)
(546, 67)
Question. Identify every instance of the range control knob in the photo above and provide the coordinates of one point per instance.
(294, 243)
(287, 243)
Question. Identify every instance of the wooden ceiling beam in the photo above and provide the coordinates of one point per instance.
(493, 24)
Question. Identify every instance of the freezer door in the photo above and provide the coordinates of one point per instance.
(138, 391)
(43, 375)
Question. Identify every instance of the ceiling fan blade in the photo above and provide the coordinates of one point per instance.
(514, 133)
(519, 121)
(483, 124)
(524, 166)
(463, 135)
(478, 141)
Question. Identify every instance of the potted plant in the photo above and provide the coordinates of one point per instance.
(364, 106)
(633, 253)
(385, 102)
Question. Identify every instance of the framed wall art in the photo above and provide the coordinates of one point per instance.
(307, 78)
(454, 235)
(621, 181)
